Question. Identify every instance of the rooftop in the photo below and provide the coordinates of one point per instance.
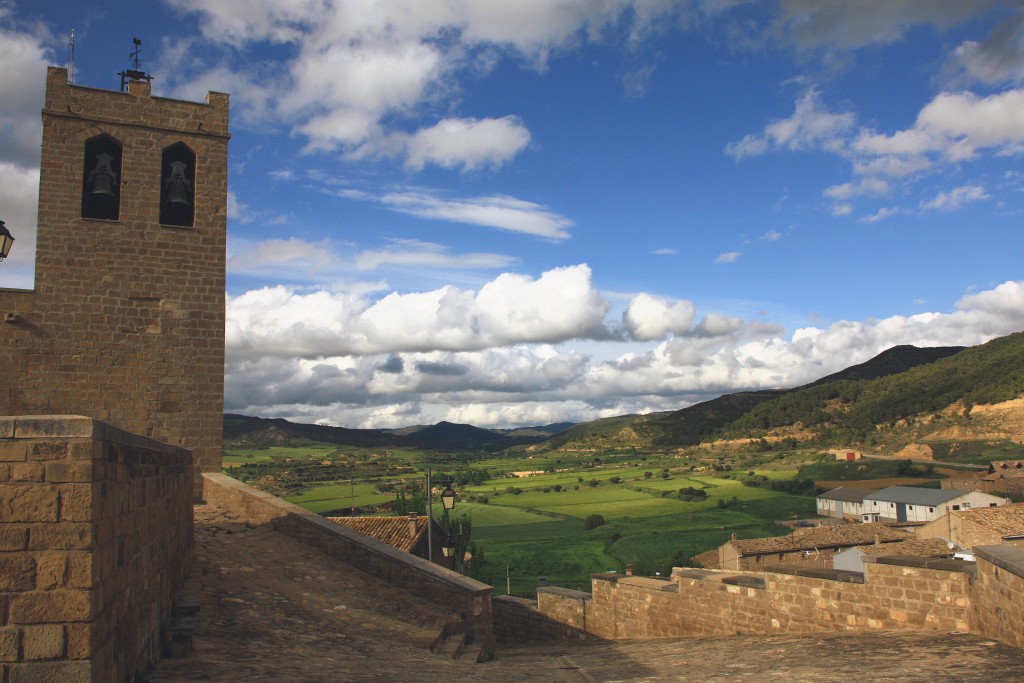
(275, 609)
(391, 530)
(821, 537)
(913, 495)
(847, 494)
(912, 547)
(1006, 520)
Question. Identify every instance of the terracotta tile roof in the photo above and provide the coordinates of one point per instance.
(708, 560)
(912, 547)
(1005, 469)
(1004, 521)
(820, 537)
(391, 530)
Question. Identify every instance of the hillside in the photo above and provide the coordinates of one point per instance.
(241, 431)
(903, 395)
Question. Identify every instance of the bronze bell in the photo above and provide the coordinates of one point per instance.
(102, 177)
(179, 189)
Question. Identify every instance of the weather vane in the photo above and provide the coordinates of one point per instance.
(135, 73)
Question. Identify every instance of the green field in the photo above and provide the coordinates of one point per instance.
(335, 495)
(533, 526)
(238, 456)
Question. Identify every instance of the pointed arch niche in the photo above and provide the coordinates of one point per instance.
(101, 178)
(177, 186)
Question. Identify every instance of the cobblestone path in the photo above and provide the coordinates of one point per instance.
(274, 609)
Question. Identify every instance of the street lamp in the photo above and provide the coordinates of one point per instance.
(448, 498)
(6, 240)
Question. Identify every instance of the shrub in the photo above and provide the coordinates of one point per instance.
(593, 521)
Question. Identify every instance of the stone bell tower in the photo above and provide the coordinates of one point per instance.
(126, 323)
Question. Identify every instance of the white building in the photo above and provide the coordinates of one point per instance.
(844, 502)
(917, 505)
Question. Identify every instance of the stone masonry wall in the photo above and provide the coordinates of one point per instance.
(998, 593)
(95, 543)
(126, 321)
(710, 602)
(468, 597)
(519, 620)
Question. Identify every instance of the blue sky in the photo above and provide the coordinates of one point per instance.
(512, 213)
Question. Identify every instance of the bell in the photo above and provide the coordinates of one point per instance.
(103, 177)
(179, 189)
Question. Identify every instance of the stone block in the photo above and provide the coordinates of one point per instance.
(9, 640)
(51, 571)
(51, 672)
(61, 472)
(79, 640)
(27, 472)
(49, 426)
(28, 503)
(17, 572)
(70, 536)
(13, 451)
(47, 450)
(47, 607)
(76, 502)
(13, 537)
(43, 641)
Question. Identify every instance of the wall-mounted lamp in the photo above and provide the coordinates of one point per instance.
(6, 240)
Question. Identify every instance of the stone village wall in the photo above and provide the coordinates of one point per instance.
(95, 543)
(468, 598)
(893, 594)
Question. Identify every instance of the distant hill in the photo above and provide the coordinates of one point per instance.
(846, 408)
(894, 398)
(892, 361)
(241, 431)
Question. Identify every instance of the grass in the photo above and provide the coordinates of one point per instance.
(540, 531)
(239, 456)
(335, 495)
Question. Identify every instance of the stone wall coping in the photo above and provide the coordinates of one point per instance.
(821, 573)
(436, 572)
(649, 583)
(1008, 557)
(525, 603)
(560, 592)
(80, 427)
(715, 575)
(969, 568)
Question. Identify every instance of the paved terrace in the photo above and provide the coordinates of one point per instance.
(274, 609)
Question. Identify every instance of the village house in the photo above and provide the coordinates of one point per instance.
(1003, 477)
(803, 548)
(844, 503)
(913, 505)
(852, 559)
(999, 525)
(900, 504)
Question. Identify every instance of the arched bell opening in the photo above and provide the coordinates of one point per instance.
(101, 178)
(177, 186)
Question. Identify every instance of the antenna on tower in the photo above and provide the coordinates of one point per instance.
(135, 73)
(71, 58)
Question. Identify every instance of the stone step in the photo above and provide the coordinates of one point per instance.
(179, 636)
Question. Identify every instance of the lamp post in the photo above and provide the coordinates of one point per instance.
(6, 240)
(447, 500)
